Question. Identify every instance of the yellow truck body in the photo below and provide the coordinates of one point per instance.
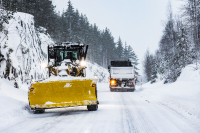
(64, 93)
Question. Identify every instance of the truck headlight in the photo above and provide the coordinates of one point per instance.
(43, 65)
(83, 63)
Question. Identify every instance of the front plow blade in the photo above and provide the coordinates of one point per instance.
(65, 93)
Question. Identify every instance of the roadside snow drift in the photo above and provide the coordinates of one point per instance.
(182, 97)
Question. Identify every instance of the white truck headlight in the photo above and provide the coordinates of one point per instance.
(43, 65)
(83, 63)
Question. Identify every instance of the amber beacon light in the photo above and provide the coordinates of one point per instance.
(113, 82)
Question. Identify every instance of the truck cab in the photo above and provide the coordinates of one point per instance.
(122, 76)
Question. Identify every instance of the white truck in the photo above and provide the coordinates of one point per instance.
(122, 76)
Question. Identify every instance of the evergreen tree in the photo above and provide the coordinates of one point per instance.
(70, 17)
(125, 52)
(154, 71)
(183, 50)
(147, 65)
(133, 58)
(120, 49)
(184, 53)
(76, 27)
(9, 8)
(167, 48)
(63, 26)
(108, 47)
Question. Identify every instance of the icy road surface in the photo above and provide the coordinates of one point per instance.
(119, 112)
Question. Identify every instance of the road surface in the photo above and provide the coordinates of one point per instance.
(119, 112)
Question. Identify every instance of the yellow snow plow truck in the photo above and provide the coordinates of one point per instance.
(67, 85)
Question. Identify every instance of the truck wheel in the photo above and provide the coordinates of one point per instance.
(92, 107)
(112, 90)
(40, 111)
(132, 90)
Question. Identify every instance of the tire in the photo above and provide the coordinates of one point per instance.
(39, 111)
(112, 90)
(131, 90)
(92, 107)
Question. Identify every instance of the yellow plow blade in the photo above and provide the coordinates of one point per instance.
(66, 93)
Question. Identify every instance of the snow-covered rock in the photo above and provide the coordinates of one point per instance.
(24, 48)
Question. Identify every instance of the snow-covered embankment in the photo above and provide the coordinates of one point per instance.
(24, 48)
(182, 97)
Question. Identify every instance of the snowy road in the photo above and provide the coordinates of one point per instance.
(119, 112)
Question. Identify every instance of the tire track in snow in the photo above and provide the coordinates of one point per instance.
(136, 115)
(190, 113)
(188, 127)
(162, 119)
(128, 120)
(66, 120)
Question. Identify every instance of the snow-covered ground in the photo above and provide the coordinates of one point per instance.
(157, 108)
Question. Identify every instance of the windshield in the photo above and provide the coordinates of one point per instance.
(61, 55)
(71, 55)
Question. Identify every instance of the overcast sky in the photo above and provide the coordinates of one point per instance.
(138, 22)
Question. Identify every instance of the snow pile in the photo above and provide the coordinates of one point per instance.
(14, 103)
(24, 49)
(189, 73)
(182, 97)
(95, 70)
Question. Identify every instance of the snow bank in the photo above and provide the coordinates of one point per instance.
(189, 73)
(182, 97)
(24, 49)
(96, 70)
(13, 103)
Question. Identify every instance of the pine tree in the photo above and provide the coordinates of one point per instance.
(108, 47)
(154, 71)
(133, 58)
(184, 53)
(120, 49)
(9, 8)
(125, 52)
(70, 18)
(147, 65)
(167, 48)
(76, 27)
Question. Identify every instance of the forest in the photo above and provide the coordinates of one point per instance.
(72, 26)
(179, 45)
